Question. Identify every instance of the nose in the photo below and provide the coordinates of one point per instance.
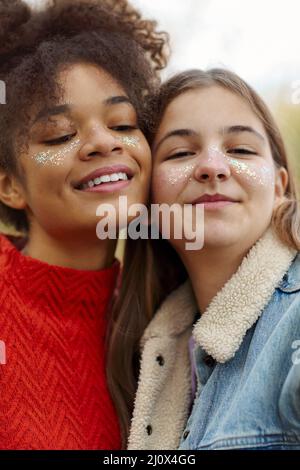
(212, 166)
(100, 142)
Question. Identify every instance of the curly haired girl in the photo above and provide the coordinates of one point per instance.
(77, 75)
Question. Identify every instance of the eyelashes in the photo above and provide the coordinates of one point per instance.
(181, 154)
(234, 151)
(66, 138)
(242, 151)
(60, 140)
(124, 128)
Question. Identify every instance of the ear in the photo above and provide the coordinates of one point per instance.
(11, 191)
(281, 182)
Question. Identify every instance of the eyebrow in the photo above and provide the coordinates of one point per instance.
(65, 108)
(56, 110)
(226, 130)
(117, 100)
(176, 133)
(238, 129)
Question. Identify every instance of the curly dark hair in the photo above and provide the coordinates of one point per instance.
(35, 45)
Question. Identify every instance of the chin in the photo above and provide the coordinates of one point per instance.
(220, 237)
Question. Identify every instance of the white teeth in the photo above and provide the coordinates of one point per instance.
(105, 179)
(123, 176)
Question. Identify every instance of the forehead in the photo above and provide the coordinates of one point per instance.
(81, 81)
(207, 109)
(82, 87)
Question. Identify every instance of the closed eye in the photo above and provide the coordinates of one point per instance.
(241, 151)
(124, 128)
(181, 154)
(59, 140)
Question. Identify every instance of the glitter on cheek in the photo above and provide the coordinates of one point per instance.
(262, 175)
(177, 175)
(57, 158)
(130, 141)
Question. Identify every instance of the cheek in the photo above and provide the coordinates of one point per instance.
(130, 141)
(145, 160)
(50, 168)
(179, 175)
(167, 182)
(174, 175)
(254, 177)
(44, 181)
(56, 157)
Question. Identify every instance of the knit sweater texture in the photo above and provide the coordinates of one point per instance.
(53, 322)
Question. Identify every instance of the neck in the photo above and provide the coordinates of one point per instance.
(209, 269)
(82, 252)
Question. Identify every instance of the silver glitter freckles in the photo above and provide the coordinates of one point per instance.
(48, 157)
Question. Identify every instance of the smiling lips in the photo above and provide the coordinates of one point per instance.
(106, 179)
(214, 201)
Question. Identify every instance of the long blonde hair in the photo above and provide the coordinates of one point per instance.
(152, 268)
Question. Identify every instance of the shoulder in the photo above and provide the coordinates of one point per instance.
(5, 246)
(10, 247)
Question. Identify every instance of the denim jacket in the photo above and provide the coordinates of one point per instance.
(247, 358)
(253, 400)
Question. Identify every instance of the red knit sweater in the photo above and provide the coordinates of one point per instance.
(53, 392)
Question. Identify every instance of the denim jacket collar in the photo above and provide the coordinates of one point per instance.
(291, 280)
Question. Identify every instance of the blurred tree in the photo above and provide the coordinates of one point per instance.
(288, 118)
